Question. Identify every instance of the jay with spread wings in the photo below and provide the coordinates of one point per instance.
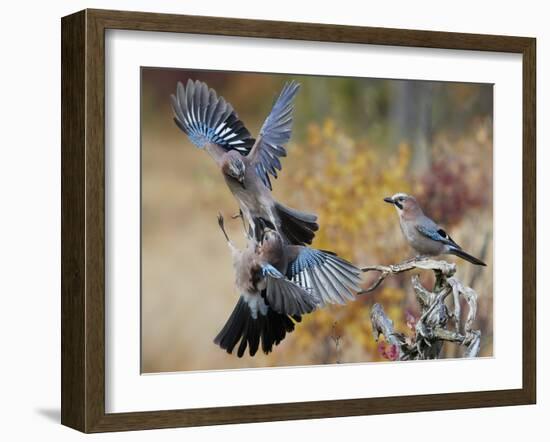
(277, 284)
(212, 124)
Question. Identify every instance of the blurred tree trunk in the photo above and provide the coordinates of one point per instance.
(412, 114)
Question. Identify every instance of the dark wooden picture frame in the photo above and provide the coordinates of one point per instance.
(83, 220)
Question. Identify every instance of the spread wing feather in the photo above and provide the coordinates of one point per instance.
(286, 297)
(275, 132)
(332, 278)
(206, 118)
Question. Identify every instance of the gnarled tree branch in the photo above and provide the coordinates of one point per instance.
(431, 328)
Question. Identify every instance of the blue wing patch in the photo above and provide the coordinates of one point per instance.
(438, 235)
(207, 118)
(269, 270)
(307, 258)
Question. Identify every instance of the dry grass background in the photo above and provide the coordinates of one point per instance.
(338, 167)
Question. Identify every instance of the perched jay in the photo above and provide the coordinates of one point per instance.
(278, 283)
(423, 234)
(211, 124)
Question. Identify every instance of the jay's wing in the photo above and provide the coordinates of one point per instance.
(207, 118)
(284, 296)
(437, 234)
(332, 278)
(275, 132)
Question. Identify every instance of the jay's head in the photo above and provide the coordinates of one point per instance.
(271, 241)
(270, 236)
(234, 166)
(406, 205)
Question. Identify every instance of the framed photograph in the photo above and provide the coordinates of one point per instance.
(267, 221)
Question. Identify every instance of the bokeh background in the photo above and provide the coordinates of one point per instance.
(355, 141)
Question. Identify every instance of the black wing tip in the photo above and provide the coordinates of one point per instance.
(287, 297)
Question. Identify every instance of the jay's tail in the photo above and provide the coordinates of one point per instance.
(265, 326)
(462, 254)
(207, 118)
(298, 227)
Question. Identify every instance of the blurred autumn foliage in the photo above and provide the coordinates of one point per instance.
(352, 145)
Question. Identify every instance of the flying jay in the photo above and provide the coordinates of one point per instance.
(211, 124)
(278, 283)
(423, 234)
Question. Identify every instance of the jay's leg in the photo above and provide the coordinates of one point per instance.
(234, 251)
(222, 227)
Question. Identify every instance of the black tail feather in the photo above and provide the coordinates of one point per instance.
(462, 254)
(269, 330)
(298, 227)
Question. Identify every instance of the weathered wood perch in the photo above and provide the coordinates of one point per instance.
(431, 329)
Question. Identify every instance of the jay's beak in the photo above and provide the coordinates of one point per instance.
(389, 200)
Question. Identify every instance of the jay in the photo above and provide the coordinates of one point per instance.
(246, 164)
(424, 235)
(278, 283)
